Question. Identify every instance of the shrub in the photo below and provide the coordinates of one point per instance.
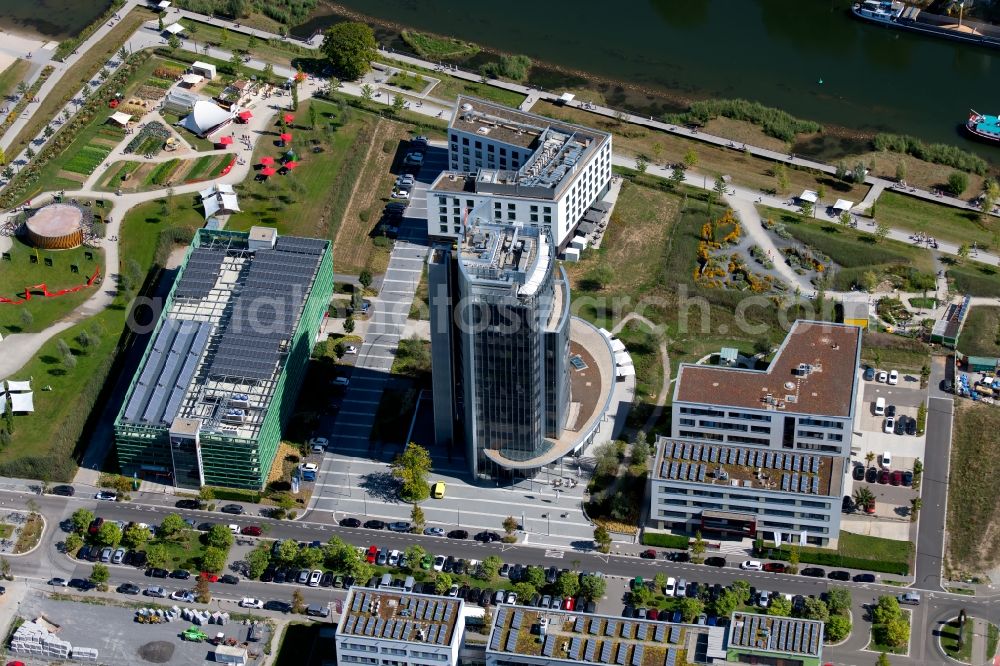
(938, 153)
(665, 540)
(236, 495)
(832, 559)
(774, 122)
(514, 67)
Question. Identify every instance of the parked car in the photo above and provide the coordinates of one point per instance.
(127, 588)
(434, 531)
(883, 476)
(400, 526)
(156, 591)
(864, 578)
(869, 374)
(183, 595)
(847, 504)
(896, 478)
(901, 425)
(251, 530)
(670, 589)
(858, 473)
(234, 509)
(458, 534)
(677, 556)
(95, 525)
(374, 525)
(371, 554)
(886, 460)
(890, 424)
(893, 377)
(814, 572)
(715, 561)
(911, 427)
(350, 522)
(106, 495)
(280, 606)
(871, 475)
(250, 602)
(229, 579)
(907, 478)
(326, 580)
(751, 565)
(648, 554)
(487, 537)
(775, 567)
(64, 490)
(890, 410)
(118, 556)
(883, 376)
(946, 385)
(381, 559)
(439, 563)
(839, 575)
(315, 577)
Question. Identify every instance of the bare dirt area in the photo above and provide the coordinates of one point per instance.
(354, 248)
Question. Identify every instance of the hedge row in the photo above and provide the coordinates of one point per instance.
(832, 559)
(235, 494)
(665, 540)
(938, 153)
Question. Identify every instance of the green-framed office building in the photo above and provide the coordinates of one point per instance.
(223, 368)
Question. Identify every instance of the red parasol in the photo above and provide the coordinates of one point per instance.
(267, 171)
(285, 136)
(291, 165)
(267, 160)
(245, 115)
(289, 118)
(226, 141)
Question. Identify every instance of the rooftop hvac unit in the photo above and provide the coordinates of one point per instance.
(466, 107)
(804, 369)
(234, 416)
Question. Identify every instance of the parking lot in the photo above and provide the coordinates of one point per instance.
(112, 630)
(904, 398)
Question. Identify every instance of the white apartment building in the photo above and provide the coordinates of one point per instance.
(529, 636)
(524, 166)
(390, 627)
(762, 452)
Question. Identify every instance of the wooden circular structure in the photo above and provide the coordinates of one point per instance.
(58, 226)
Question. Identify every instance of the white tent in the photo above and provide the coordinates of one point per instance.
(22, 402)
(809, 195)
(843, 204)
(191, 79)
(163, 4)
(566, 98)
(175, 29)
(625, 371)
(205, 69)
(219, 200)
(120, 117)
(224, 188)
(605, 333)
(206, 117)
(13, 386)
(622, 358)
(617, 345)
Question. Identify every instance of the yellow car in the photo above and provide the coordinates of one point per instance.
(437, 490)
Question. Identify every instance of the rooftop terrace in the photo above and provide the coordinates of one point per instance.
(512, 253)
(598, 639)
(813, 372)
(398, 616)
(746, 467)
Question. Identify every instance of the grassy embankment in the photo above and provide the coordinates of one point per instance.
(981, 332)
(16, 72)
(435, 47)
(973, 496)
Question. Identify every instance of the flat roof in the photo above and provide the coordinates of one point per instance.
(400, 616)
(813, 372)
(737, 467)
(785, 635)
(222, 343)
(514, 254)
(594, 639)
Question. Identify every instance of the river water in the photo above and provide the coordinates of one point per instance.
(808, 57)
(49, 19)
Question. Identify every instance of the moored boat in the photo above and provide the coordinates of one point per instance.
(984, 126)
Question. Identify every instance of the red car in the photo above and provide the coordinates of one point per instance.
(567, 603)
(652, 614)
(775, 567)
(648, 554)
(371, 554)
(210, 577)
(896, 478)
(883, 476)
(251, 530)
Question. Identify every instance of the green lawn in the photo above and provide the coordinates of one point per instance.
(949, 640)
(86, 158)
(434, 47)
(973, 507)
(956, 225)
(981, 332)
(874, 548)
(19, 273)
(884, 350)
(450, 87)
(16, 72)
(277, 51)
(974, 279)
(992, 637)
(408, 81)
(183, 552)
(310, 200)
(857, 252)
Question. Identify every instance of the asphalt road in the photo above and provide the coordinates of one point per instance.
(930, 541)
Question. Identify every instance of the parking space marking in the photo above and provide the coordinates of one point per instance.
(555, 554)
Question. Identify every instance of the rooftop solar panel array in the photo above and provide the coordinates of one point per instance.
(264, 313)
(201, 272)
(671, 658)
(549, 646)
(574, 648)
(606, 652)
(511, 645)
(170, 364)
(637, 655)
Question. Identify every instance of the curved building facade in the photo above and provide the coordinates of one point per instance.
(58, 226)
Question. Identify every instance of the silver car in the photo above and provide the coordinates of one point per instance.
(156, 591)
(118, 557)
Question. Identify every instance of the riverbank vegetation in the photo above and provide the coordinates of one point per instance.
(435, 47)
(938, 153)
(774, 122)
(285, 12)
(68, 45)
(514, 67)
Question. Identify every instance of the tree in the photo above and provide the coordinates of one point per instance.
(313, 114)
(99, 574)
(963, 250)
(349, 325)
(414, 555)
(524, 591)
(885, 610)
(859, 173)
(845, 218)
(367, 92)
(742, 590)
(135, 537)
(237, 8)
(807, 209)
(720, 187)
(815, 609)
(897, 632)
(172, 525)
(870, 456)
(915, 504)
(781, 176)
(268, 71)
(991, 193)
(727, 602)
(123, 53)
(174, 42)
(820, 193)
(567, 584)
(72, 542)
(295, 96)
(592, 587)
(287, 552)
(417, 518)
(837, 628)
(510, 525)
(838, 600)
(535, 576)
(350, 47)
(213, 559)
(443, 583)
(863, 497)
(690, 158)
(641, 164)
(869, 280)
(202, 593)
(780, 606)
(397, 104)
(219, 537)
(159, 22)
(901, 171)
(411, 467)
(109, 534)
(257, 561)
(599, 276)
(698, 547)
(365, 278)
(490, 568)
(676, 175)
(883, 660)
(309, 558)
(47, 132)
(881, 231)
(691, 608)
(81, 519)
(298, 602)
(156, 555)
(235, 64)
(793, 560)
(958, 182)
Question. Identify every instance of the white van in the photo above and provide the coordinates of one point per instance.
(880, 407)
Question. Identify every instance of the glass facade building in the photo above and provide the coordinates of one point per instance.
(500, 341)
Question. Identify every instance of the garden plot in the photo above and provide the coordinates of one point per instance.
(727, 260)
